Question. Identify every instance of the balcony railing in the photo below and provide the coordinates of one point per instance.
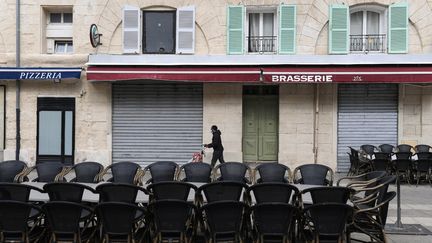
(262, 44)
(367, 43)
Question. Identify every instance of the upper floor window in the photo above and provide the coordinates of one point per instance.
(368, 29)
(58, 31)
(159, 32)
(268, 29)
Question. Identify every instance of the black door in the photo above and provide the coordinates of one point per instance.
(55, 130)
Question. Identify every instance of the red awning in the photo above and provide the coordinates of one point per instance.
(266, 74)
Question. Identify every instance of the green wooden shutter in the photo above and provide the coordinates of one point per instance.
(339, 29)
(287, 30)
(235, 40)
(398, 30)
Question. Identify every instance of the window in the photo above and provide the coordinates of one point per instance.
(367, 29)
(261, 31)
(59, 30)
(159, 32)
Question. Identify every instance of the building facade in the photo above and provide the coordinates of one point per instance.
(289, 81)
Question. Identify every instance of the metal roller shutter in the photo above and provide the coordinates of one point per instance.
(367, 114)
(153, 122)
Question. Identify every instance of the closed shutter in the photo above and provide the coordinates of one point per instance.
(185, 30)
(131, 29)
(367, 114)
(398, 31)
(287, 30)
(235, 31)
(153, 122)
(338, 29)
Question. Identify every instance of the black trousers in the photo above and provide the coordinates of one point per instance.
(217, 155)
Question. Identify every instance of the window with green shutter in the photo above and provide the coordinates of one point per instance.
(235, 17)
(398, 28)
(338, 29)
(287, 29)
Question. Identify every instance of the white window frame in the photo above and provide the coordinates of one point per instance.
(62, 17)
(66, 46)
(261, 10)
(383, 16)
(58, 32)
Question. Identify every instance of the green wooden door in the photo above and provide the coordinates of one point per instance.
(260, 128)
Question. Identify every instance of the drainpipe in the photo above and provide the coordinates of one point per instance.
(316, 123)
(18, 83)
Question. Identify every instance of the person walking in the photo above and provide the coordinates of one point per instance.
(216, 144)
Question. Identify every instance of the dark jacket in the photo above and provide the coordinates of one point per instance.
(216, 141)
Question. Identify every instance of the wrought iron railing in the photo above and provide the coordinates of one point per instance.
(262, 43)
(367, 43)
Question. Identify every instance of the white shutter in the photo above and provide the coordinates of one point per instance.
(185, 39)
(131, 29)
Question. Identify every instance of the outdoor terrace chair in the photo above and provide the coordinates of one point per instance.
(118, 192)
(380, 164)
(162, 171)
(223, 221)
(124, 172)
(404, 148)
(422, 148)
(221, 191)
(173, 220)
(272, 192)
(195, 172)
(64, 220)
(46, 172)
(14, 222)
(313, 174)
(329, 221)
(422, 166)
(66, 191)
(16, 192)
(357, 166)
(325, 194)
(12, 170)
(274, 221)
(171, 190)
(271, 172)
(233, 171)
(368, 150)
(362, 179)
(86, 172)
(118, 221)
(386, 148)
(402, 166)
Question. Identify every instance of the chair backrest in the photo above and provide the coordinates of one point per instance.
(424, 155)
(87, 172)
(273, 192)
(124, 172)
(10, 169)
(16, 192)
(64, 217)
(424, 161)
(354, 152)
(118, 192)
(171, 215)
(222, 190)
(382, 155)
(403, 155)
(171, 190)
(329, 194)
(162, 171)
(422, 148)
(224, 216)
(14, 216)
(384, 207)
(368, 149)
(386, 148)
(232, 171)
(329, 219)
(404, 148)
(380, 164)
(66, 191)
(47, 172)
(271, 172)
(196, 172)
(117, 218)
(313, 174)
(274, 218)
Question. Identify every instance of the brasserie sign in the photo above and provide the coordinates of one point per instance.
(302, 78)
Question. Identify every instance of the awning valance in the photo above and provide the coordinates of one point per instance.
(40, 73)
(266, 74)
